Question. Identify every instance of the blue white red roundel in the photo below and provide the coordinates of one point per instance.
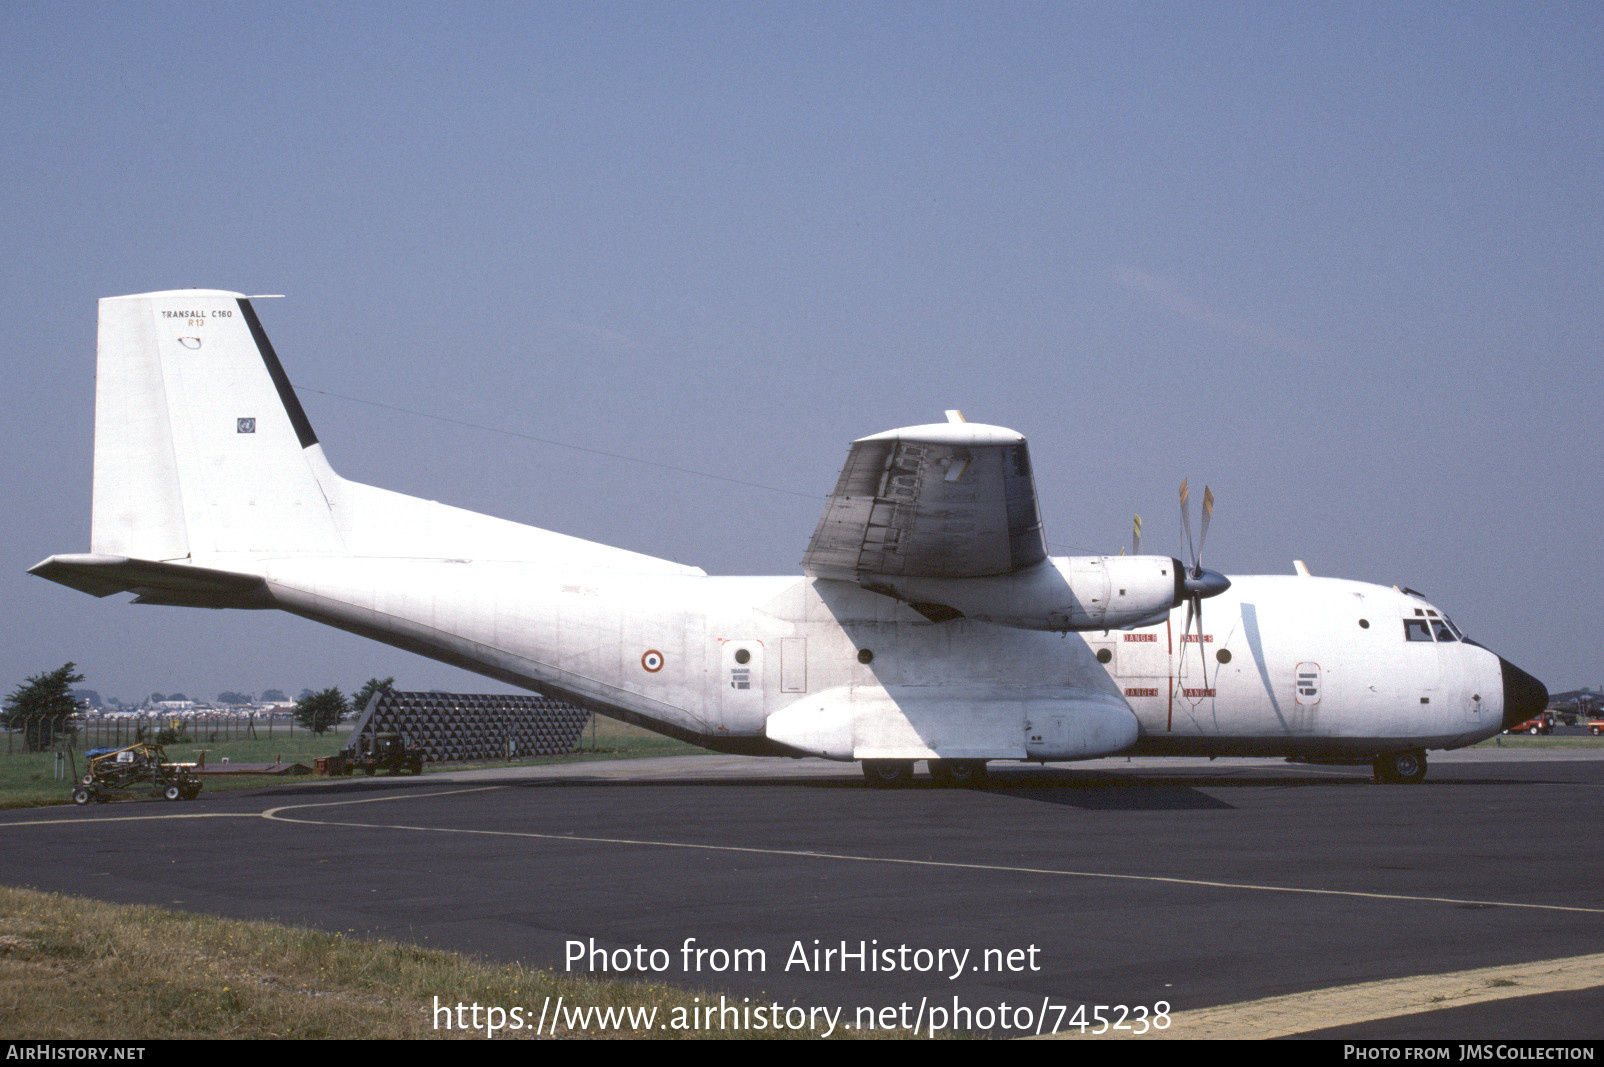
(652, 661)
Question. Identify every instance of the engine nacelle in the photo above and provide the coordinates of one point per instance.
(1060, 593)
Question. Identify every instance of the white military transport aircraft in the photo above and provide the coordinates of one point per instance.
(930, 624)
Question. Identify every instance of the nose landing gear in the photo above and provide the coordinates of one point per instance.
(1400, 768)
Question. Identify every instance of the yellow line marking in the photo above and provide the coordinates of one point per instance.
(132, 818)
(272, 813)
(1320, 1009)
(268, 814)
(275, 815)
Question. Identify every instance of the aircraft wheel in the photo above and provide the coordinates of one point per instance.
(888, 772)
(1400, 767)
(80, 796)
(958, 772)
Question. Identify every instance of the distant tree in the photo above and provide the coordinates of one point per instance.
(176, 696)
(273, 696)
(304, 694)
(87, 696)
(320, 711)
(42, 708)
(228, 696)
(359, 702)
(157, 698)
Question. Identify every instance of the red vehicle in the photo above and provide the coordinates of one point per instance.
(1541, 723)
(1595, 726)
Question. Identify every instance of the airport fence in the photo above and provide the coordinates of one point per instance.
(55, 734)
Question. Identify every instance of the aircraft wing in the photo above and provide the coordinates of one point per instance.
(947, 500)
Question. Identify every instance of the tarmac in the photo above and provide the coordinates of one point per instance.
(1229, 898)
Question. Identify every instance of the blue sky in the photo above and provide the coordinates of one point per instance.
(1340, 262)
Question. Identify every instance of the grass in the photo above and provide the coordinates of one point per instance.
(27, 779)
(84, 970)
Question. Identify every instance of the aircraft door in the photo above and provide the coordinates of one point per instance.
(793, 665)
(1142, 669)
(741, 683)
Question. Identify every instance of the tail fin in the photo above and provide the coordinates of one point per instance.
(203, 456)
(201, 447)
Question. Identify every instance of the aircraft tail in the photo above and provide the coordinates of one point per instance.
(204, 459)
(201, 447)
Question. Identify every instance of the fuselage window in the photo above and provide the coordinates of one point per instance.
(1415, 630)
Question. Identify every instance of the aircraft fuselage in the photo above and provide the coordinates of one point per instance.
(1290, 665)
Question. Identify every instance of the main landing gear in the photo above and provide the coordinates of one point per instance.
(959, 772)
(1400, 767)
(888, 773)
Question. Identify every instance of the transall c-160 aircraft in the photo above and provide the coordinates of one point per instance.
(930, 623)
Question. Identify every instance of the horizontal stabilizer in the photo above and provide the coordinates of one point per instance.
(155, 583)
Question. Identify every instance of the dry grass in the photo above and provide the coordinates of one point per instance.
(85, 970)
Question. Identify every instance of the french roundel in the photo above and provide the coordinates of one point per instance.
(652, 661)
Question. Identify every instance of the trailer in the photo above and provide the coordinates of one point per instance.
(387, 751)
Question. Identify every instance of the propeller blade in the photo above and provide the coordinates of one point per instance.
(1202, 654)
(1136, 537)
(1186, 519)
(1203, 535)
(1186, 627)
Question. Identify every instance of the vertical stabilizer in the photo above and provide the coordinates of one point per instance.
(199, 441)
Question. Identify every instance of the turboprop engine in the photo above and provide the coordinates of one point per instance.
(944, 517)
(1059, 593)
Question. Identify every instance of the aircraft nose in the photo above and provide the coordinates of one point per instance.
(1524, 696)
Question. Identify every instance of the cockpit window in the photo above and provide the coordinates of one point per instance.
(1426, 623)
